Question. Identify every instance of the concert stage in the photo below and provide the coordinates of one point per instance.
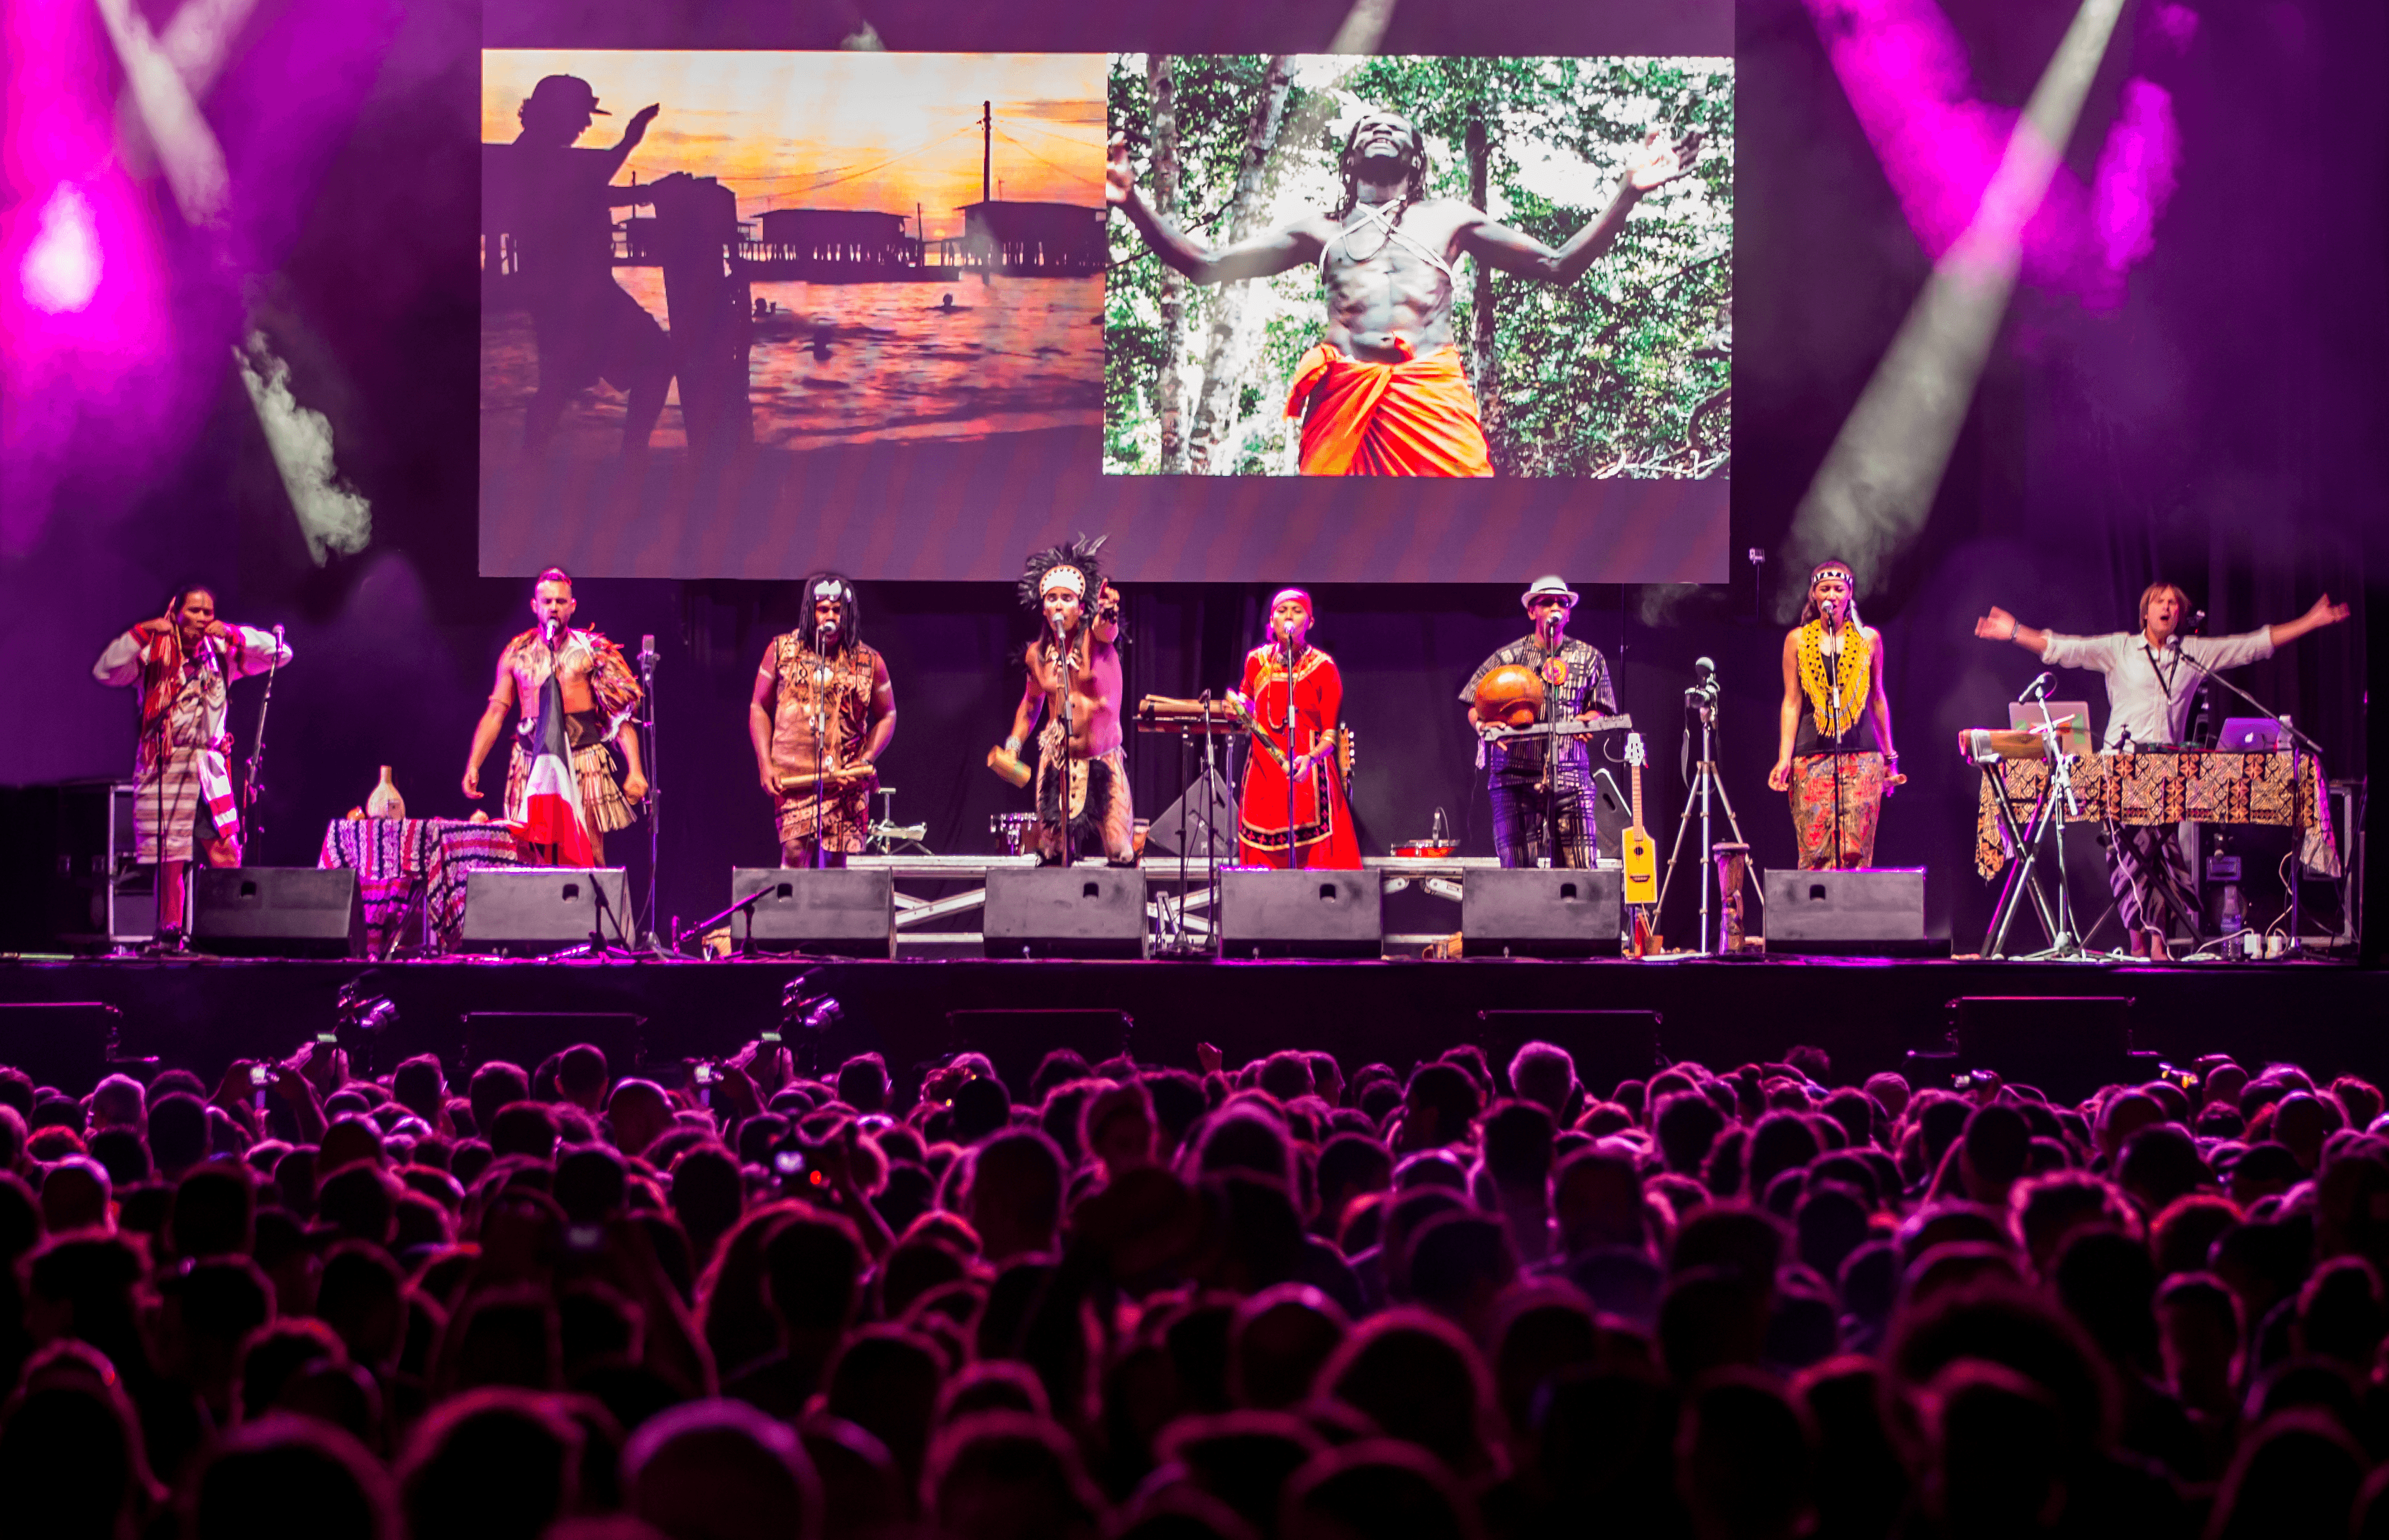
(201, 1013)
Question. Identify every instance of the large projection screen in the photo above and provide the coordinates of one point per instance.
(881, 313)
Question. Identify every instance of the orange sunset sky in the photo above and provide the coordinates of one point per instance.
(835, 129)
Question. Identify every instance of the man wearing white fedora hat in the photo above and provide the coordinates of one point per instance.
(1543, 787)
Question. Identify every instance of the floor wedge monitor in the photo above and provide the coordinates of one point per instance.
(1541, 911)
(276, 911)
(1308, 913)
(1064, 911)
(847, 912)
(1871, 912)
(541, 908)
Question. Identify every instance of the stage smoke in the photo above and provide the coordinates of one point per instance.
(1876, 486)
(187, 151)
(333, 516)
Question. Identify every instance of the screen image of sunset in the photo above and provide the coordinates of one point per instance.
(722, 253)
(860, 131)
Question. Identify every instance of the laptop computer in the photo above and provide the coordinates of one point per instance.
(2072, 716)
(2250, 735)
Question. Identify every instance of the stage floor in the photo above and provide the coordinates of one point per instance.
(201, 1013)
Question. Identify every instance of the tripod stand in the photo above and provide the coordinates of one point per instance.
(1702, 700)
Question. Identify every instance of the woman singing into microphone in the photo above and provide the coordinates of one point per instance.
(1322, 835)
(1833, 750)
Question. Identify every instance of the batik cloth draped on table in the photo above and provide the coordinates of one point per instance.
(1416, 417)
(2168, 786)
(832, 695)
(1322, 817)
(400, 861)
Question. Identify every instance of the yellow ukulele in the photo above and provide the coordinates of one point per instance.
(1640, 855)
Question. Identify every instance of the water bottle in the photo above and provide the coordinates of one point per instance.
(2235, 909)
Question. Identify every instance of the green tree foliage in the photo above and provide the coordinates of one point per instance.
(1624, 373)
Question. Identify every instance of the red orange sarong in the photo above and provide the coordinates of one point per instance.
(1417, 417)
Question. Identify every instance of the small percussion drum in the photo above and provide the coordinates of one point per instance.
(1016, 829)
(1511, 695)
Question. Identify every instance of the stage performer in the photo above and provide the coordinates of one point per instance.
(1833, 750)
(821, 714)
(1074, 675)
(1383, 392)
(596, 692)
(1542, 786)
(183, 660)
(1323, 834)
(2150, 687)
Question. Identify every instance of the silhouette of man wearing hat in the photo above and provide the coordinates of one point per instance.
(588, 328)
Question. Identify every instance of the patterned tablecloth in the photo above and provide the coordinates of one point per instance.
(2161, 786)
(398, 860)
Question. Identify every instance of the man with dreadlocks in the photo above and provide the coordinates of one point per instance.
(1383, 392)
(821, 714)
(1833, 752)
(1074, 679)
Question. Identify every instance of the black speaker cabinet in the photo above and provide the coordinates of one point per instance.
(1064, 911)
(1871, 911)
(850, 913)
(276, 911)
(1267, 913)
(1534, 912)
(543, 907)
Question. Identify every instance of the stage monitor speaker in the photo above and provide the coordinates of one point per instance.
(1609, 1047)
(276, 911)
(2065, 1045)
(542, 907)
(1064, 911)
(1018, 1042)
(1870, 911)
(1308, 913)
(1541, 911)
(65, 1044)
(1205, 809)
(835, 909)
(524, 1037)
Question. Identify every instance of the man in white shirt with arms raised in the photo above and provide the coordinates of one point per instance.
(2151, 679)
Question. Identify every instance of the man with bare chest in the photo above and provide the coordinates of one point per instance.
(1383, 393)
(598, 692)
(1074, 680)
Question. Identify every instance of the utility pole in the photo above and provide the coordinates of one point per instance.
(986, 149)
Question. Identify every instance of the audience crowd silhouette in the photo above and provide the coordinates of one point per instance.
(1285, 1301)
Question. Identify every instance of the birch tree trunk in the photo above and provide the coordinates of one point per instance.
(1484, 354)
(1226, 353)
(1170, 385)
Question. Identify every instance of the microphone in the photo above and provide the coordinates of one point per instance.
(2037, 688)
(548, 629)
(647, 649)
(2197, 619)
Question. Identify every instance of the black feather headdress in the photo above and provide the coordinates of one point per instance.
(1081, 555)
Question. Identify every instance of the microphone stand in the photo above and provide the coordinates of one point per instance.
(654, 815)
(250, 784)
(1293, 848)
(1552, 856)
(2298, 741)
(1834, 698)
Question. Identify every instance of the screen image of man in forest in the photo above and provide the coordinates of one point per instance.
(1589, 341)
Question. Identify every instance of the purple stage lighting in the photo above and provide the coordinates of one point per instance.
(1903, 66)
(63, 263)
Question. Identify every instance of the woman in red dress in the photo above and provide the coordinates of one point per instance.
(1322, 834)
